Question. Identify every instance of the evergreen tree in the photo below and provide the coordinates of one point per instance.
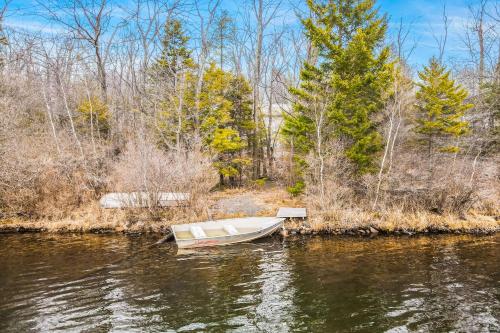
(352, 72)
(224, 30)
(490, 92)
(215, 107)
(172, 73)
(226, 116)
(227, 144)
(239, 94)
(440, 109)
(307, 128)
(175, 54)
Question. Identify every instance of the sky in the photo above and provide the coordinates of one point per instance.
(422, 17)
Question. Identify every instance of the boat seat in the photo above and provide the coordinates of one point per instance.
(230, 229)
(197, 232)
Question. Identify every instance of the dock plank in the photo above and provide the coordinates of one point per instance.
(290, 212)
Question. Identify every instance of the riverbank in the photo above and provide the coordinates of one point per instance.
(485, 225)
(256, 202)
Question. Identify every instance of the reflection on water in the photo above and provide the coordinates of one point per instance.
(117, 284)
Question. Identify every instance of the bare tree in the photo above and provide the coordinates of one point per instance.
(442, 38)
(206, 21)
(396, 110)
(88, 21)
(3, 40)
(263, 13)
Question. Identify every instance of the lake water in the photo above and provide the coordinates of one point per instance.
(99, 283)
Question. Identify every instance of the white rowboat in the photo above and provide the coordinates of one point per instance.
(224, 232)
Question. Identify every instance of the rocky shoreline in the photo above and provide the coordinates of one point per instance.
(287, 232)
(372, 232)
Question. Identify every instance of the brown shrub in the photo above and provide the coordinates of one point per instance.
(143, 167)
(36, 181)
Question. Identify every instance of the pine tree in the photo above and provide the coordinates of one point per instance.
(175, 53)
(490, 91)
(227, 144)
(226, 117)
(349, 78)
(215, 107)
(241, 112)
(440, 109)
(240, 95)
(224, 30)
(307, 128)
(172, 72)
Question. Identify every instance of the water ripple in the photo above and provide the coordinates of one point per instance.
(119, 284)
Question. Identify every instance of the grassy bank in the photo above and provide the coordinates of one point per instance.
(258, 202)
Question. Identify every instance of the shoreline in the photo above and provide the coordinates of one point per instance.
(233, 203)
(290, 231)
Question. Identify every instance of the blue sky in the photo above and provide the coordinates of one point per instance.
(426, 23)
(424, 18)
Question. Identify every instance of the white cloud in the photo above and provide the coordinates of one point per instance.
(32, 25)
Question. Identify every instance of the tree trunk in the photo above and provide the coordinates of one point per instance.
(256, 95)
(52, 126)
(101, 73)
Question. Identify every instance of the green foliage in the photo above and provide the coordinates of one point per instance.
(300, 127)
(214, 105)
(490, 92)
(239, 93)
(350, 79)
(227, 143)
(360, 74)
(175, 54)
(297, 188)
(226, 120)
(174, 71)
(440, 106)
(261, 182)
(226, 140)
(221, 114)
(312, 97)
(224, 30)
(93, 114)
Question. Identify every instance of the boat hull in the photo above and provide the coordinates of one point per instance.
(229, 239)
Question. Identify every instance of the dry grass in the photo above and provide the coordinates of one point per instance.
(399, 220)
(40, 183)
(93, 218)
(269, 198)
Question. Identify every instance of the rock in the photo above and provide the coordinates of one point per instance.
(284, 233)
(293, 233)
(119, 229)
(373, 230)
